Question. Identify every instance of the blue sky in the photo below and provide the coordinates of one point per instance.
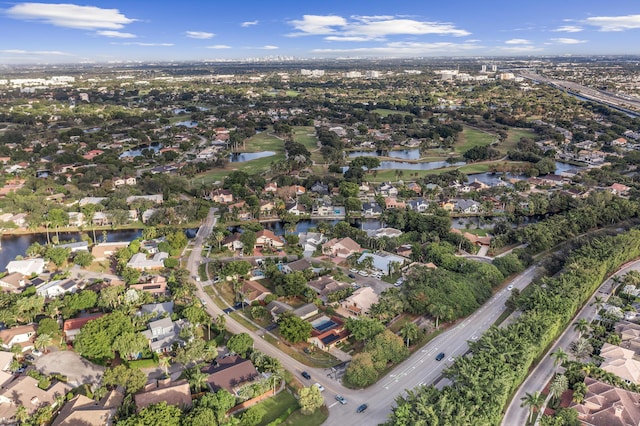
(145, 30)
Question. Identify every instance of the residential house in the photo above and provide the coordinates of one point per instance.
(91, 200)
(467, 206)
(71, 327)
(328, 332)
(387, 263)
(412, 186)
(163, 334)
(476, 185)
(371, 209)
(241, 210)
(253, 291)
(604, 404)
(15, 282)
(360, 301)
(140, 262)
(384, 232)
(5, 360)
(26, 267)
(620, 361)
(22, 335)
(393, 203)
(629, 334)
(100, 219)
(157, 310)
(325, 210)
(320, 188)
(296, 266)
(270, 188)
(12, 185)
(326, 285)
(157, 285)
(343, 247)
(24, 391)
(306, 311)
(57, 288)
(232, 242)
(267, 208)
(387, 190)
(404, 250)
(104, 251)
(419, 205)
(448, 205)
(310, 241)
(619, 189)
(295, 208)
(222, 196)
(176, 393)
(230, 373)
(276, 308)
(147, 214)
(75, 247)
(266, 238)
(84, 411)
(155, 198)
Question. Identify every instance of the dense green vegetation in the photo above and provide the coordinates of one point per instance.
(484, 382)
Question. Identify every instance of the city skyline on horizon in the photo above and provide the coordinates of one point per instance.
(116, 31)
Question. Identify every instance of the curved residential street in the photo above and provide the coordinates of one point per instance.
(420, 368)
(540, 376)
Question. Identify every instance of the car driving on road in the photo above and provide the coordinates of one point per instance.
(341, 399)
(440, 356)
(362, 408)
(306, 375)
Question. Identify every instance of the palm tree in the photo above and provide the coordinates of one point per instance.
(559, 357)
(579, 392)
(219, 236)
(581, 326)
(587, 369)
(275, 377)
(598, 302)
(197, 380)
(534, 401)
(164, 363)
(409, 332)
(42, 342)
(581, 348)
(559, 385)
(440, 311)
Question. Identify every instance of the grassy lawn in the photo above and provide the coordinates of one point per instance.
(478, 232)
(209, 290)
(514, 135)
(385, 112)
(252, 167)
(472, 137)
(315, 419)
(277, 405)
(263, 142)
(242, 320)
(292, 93)
(317, 359)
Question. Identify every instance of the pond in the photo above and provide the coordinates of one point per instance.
(241, 157)
(307, 224)
(495, 178)
(403, 154)
(137, 151)
(402, 165)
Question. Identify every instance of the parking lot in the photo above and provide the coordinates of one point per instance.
(77, 369)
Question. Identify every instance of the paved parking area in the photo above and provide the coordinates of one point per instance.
(77, 369)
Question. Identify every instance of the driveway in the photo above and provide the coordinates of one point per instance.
(77, 369)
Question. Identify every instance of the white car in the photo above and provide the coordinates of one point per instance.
(319, 386)
(363, 273)
(510, 287)
(354, 270)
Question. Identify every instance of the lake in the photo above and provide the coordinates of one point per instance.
(403, 154)
(307, 224)
(241, 157)
(137, 151)
(495, 178)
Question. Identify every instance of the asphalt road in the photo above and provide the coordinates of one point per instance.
(540, 376)
(420, 368)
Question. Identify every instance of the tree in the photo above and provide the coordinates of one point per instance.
(409, 332)
(559, 357)
(58, 255)
(294, 329)
(295, 284)
(253, 416)
(200, 416)
(96, 337)
(48, 326)
(83, 258)
(310, 399)
(164, 362)
(161, 414)
(558, 386)
(130, 344)
(364, 328)
(581, 348)
(236, 269)
(534, 401)
(197, 379)
(130, 275)
(42, 342)
(132, 379)
(248, 239)
(220, 402)
(581, 326)
(361, 372)
(440, 311)
(240, 344)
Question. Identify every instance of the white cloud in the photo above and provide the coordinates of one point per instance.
(526, 48)
(519, 41)
(368, 28)
(563, 40)
(568, 29)
(218, 46)
(139, 43)
(199, 35)
(269, 47)
(614, 23)
(115, 34)
(70, 15)
(34, 52)
(249, 23)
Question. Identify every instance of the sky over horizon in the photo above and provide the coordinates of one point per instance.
(160, 30)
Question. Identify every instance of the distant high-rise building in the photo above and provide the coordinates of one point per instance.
(484, 68)
(373, 74)
(494, 68)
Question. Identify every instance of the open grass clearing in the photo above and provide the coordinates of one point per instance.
(514, 136)
(252, 167)
(470, 138)
(264, 141)
(383, 112)
(317, 418)
(277, 406)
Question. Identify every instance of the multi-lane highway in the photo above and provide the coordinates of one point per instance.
(420, 368)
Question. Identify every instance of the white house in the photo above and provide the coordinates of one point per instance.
(383, 261)
(56, 288)
(26, 267)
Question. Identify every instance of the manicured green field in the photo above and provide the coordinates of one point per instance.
(251, 167)
(277, 405)
(472, 137)
(264, 141)
(385, 112)
(514, 137)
